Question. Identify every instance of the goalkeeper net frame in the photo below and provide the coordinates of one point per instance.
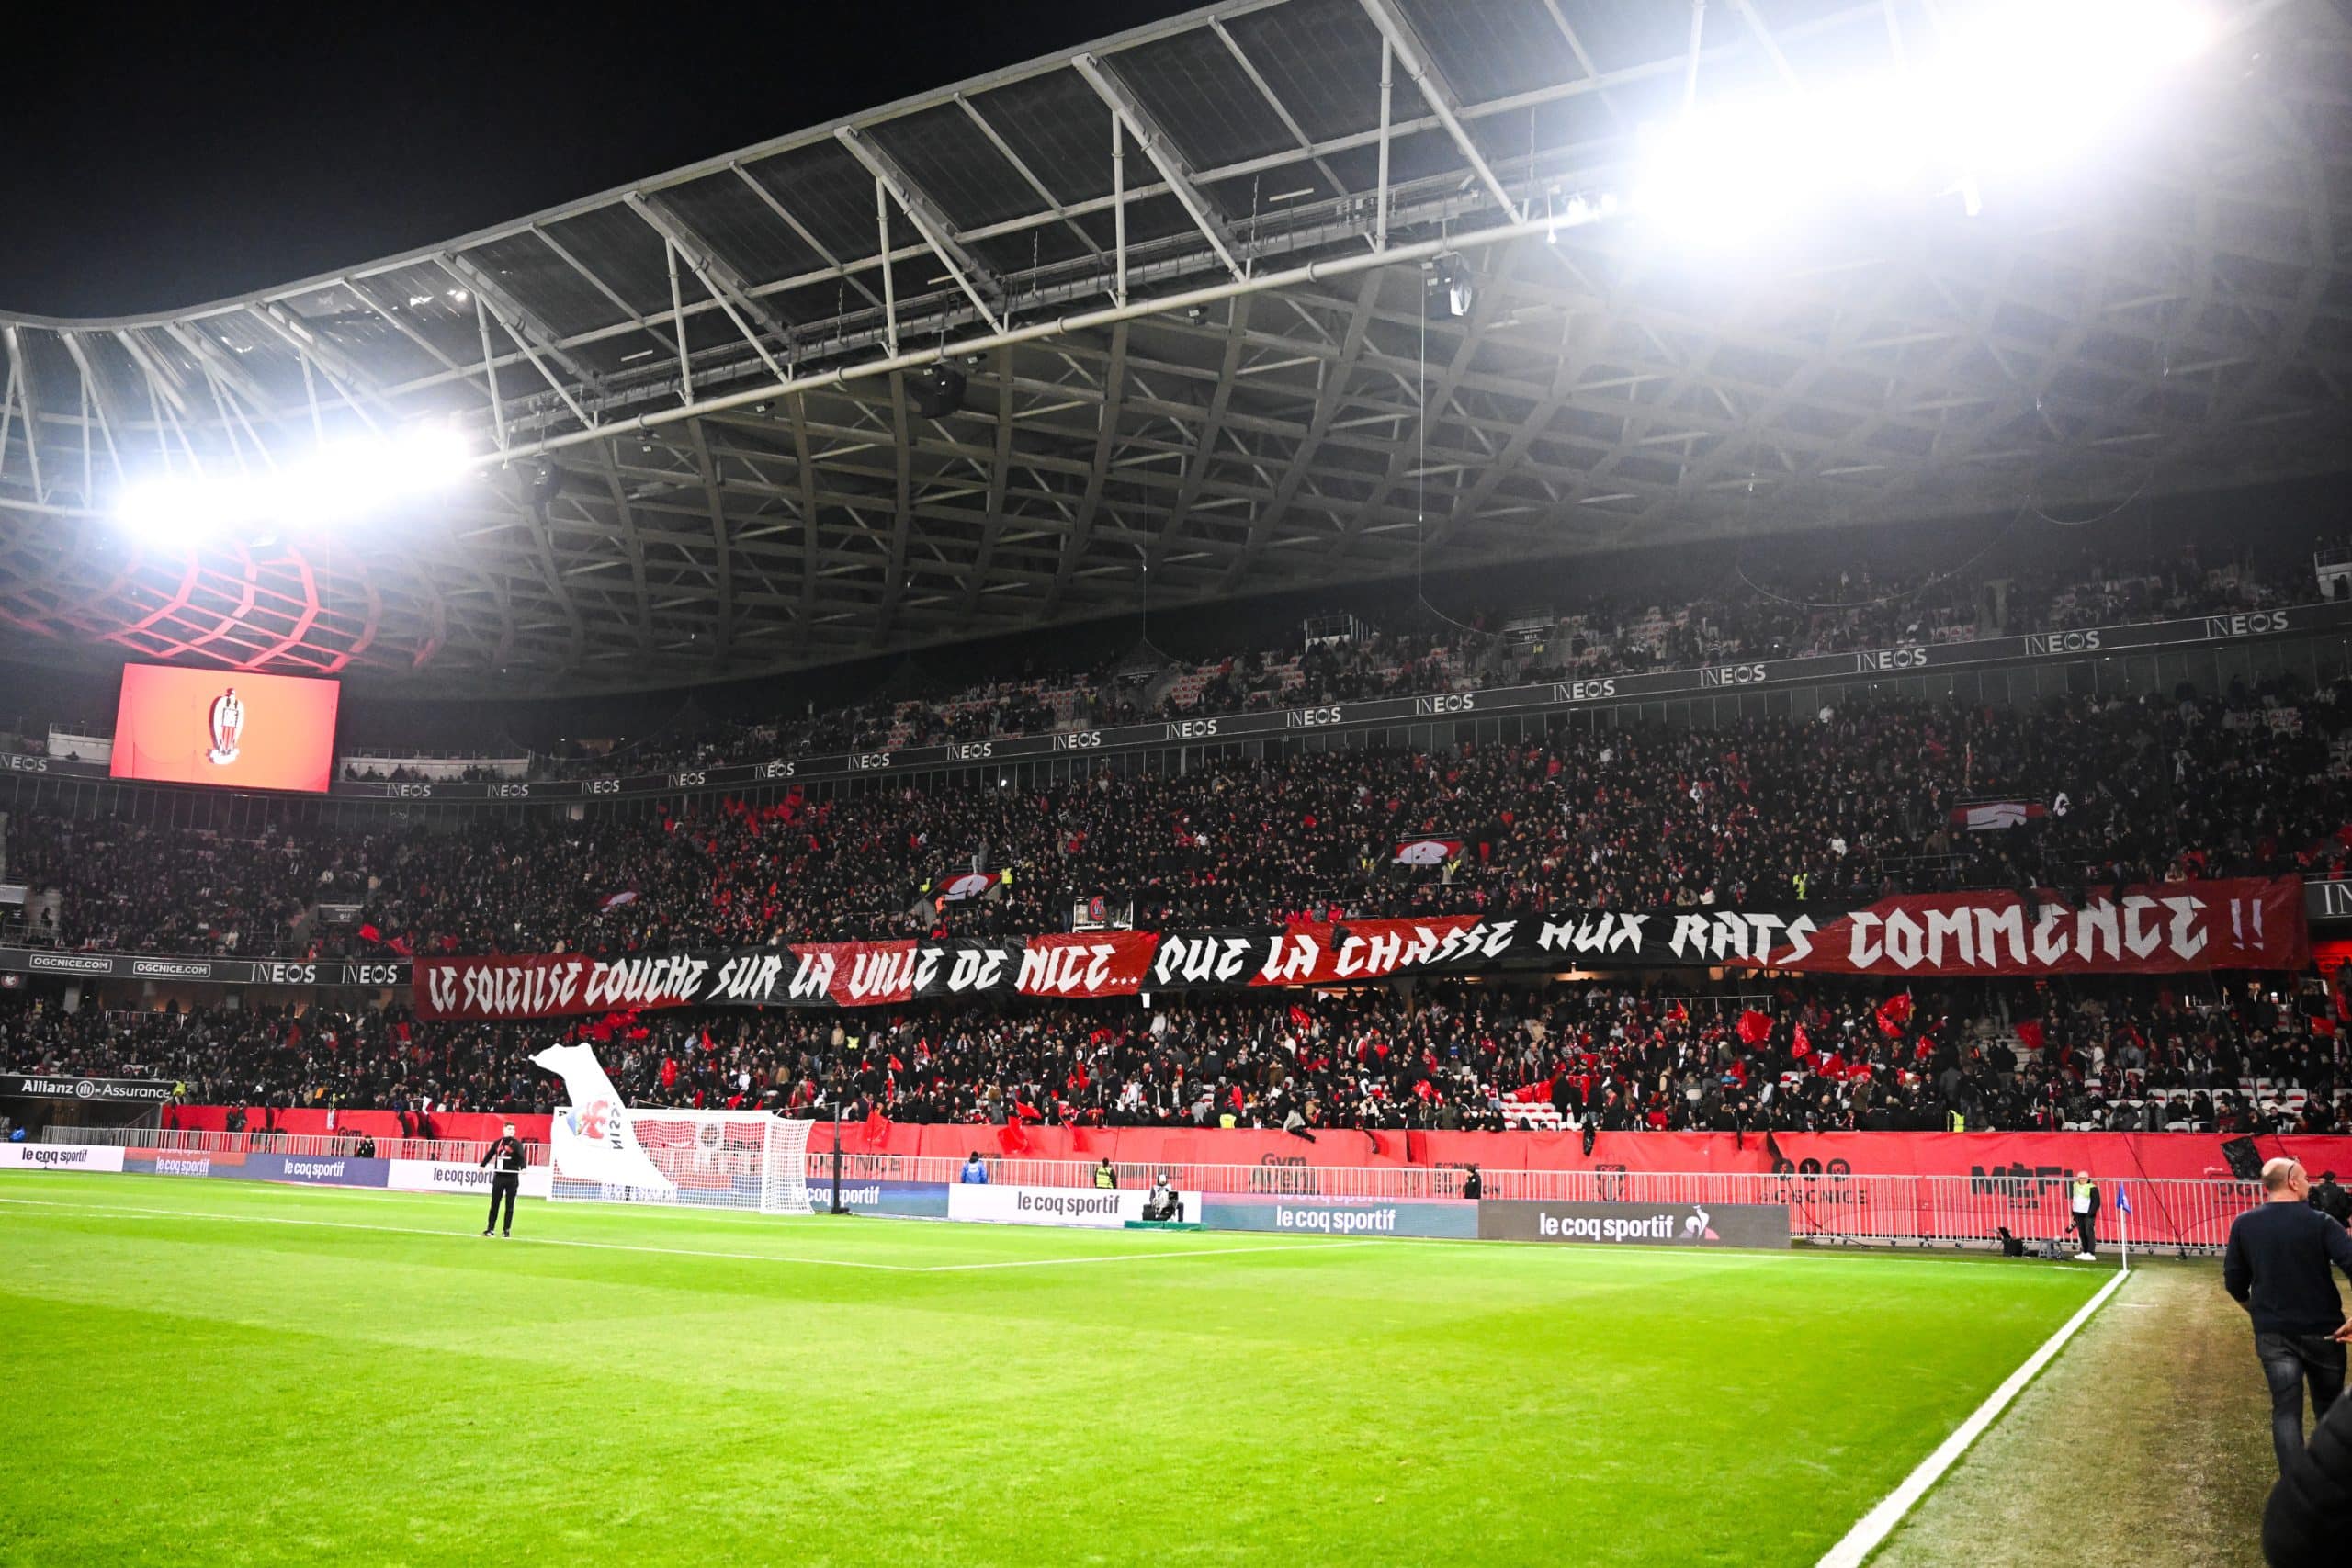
(745, 1160)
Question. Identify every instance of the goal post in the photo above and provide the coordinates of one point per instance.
(745, 1160)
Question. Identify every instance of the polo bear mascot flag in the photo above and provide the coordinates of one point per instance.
(594, 1139)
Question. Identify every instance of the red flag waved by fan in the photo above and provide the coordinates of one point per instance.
(1893, 1014)
(1755, 1028)
(877, 1127)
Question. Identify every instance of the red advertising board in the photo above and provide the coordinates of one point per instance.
(224, 727)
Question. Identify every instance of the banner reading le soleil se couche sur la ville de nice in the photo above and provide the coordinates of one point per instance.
(2235, 924)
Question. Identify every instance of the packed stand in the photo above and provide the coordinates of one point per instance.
(1766, 812)
(2120, 1056)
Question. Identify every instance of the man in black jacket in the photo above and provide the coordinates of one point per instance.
(506, 1180)
(2330, 1200)
(2276, 1266)
(2309, 1516)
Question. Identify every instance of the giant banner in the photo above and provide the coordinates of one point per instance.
(2251, 923)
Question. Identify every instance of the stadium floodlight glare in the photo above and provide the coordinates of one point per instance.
(2017, 90)
(335, 482)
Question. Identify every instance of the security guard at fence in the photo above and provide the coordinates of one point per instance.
(1104, 1176)
(505, 1180)
(2085, 1211)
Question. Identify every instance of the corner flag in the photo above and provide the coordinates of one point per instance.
(2122, 1199)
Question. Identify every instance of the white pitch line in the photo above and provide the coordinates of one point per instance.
(1877, 1255)
(126, 1211)
(1870, 1532)
(1140, 1256)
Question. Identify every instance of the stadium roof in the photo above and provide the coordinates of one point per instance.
(1198, 346)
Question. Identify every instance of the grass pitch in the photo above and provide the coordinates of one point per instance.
(212, 1371)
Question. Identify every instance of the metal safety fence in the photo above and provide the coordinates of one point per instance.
(1915, 1211)
(1902, 1210)
(300, 1146)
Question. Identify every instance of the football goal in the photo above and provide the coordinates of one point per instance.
(712, 1160)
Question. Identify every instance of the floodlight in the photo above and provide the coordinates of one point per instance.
(2017, 90)
(335, 482)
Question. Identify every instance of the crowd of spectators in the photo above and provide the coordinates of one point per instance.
(1833, 1056)
(1765, 813)
(1589, 636)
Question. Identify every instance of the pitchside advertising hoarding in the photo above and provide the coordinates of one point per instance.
(1455, 1221)
(229, 728)
(451, 1175)
(898, 1200)
(1088, 1208)
(1651, 1224)
(60, 1157)
(307, 1170)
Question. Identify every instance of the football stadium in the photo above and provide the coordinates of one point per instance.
(1341, 780)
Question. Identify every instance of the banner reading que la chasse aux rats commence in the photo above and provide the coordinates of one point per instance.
(2240, 924)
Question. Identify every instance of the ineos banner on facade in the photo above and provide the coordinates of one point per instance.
(114, 1091)
(2239, 924)
(309, 972)
(1658, 1224)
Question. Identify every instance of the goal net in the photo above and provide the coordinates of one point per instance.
(712, 1160)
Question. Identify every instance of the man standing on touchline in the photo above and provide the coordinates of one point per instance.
(506, 1180)
(2277, 1268)
(2086, 1216)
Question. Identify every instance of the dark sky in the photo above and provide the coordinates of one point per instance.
(164, 161)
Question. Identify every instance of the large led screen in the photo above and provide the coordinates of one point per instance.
(224, 727)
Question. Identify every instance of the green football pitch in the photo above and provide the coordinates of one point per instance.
(210, 1372)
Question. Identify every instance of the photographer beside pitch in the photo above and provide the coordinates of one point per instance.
(506, 1180)
(2277, 1267)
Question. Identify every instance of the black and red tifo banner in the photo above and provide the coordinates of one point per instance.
(2245, 924)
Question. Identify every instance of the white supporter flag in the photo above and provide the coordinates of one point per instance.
(594, 1139)
(1995, 816)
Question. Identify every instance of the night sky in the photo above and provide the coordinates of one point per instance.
(158, 162)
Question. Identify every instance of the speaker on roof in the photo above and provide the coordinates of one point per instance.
(938, 390)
